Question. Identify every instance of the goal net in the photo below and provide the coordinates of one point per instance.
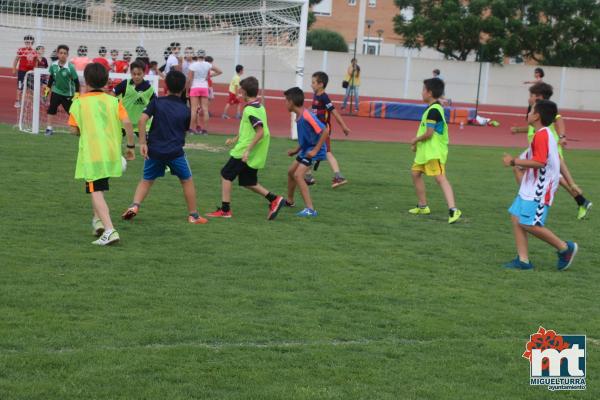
(259, 34)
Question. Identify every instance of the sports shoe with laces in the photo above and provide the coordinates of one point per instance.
(310, 180)
(565, 258)
(131, 212)
(97, 227)
(197, 220)
(584, 209)
(454, 216)
(107, 238)
(275, 206)
(338, 181)
(420, 210)
(518, 264)
(307, 212)
(219, 213)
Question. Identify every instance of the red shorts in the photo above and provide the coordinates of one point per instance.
(233, 99)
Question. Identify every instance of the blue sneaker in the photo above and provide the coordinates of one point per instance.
(518, 264)
(565, 258)
(307, 212)
(49, 132)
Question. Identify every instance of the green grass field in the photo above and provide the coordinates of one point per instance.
(363, 302)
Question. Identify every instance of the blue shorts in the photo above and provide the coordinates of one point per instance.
(529, 212)
(156, 168)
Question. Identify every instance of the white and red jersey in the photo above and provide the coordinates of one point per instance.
(28, 58)
(540, 184)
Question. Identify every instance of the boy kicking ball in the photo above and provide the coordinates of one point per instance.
(431, 148)
(249, 154)
(164, 146)
(96, 118)
(312, 135)
(536, 193)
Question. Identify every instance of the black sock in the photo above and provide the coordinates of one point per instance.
(451, 211)
(271, 197)
(580, 200)
(225, 206)
(195, 214)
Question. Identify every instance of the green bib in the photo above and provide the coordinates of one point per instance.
(135, 103)
(258, 156)
(435, 148)
(97, 116)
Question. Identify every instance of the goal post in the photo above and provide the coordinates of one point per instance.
(32, 112)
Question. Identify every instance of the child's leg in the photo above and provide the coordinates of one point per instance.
(442, 180)
(301, 183)
(547, 236)
(292, 181)
(226, 190)
(520, 239)
(101, 210)
(567, 181)
(226, 108)
(194, 101)
(417, 177)
(333, 163)
(189, 192)
(142, 190)
(239, 108)
(204, 104)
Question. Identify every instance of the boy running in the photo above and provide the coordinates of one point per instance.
(135, 93)
(63, 85)
(96, 118)
(25, 61)
(312, 136)
(234, 88)
(249, 154)
(431, 148)
(164, 146)
(536, 193)
(323, 108)
(544, 91)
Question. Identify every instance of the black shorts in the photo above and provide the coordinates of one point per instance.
(236, 168)
(20, 79)
(100, 185)
(304, 161)
(59, 100)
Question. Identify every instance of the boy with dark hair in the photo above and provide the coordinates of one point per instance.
(63, 85)
(135, 93)
(544, 91)
(249, 154)
(97, 118)
(164, 146)
(234, 88)
(25, 61)
(541, 163)
(431, 148)
(312, 136)
(323, 108)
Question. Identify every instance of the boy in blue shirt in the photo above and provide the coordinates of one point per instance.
(312, 135)
(164, 148)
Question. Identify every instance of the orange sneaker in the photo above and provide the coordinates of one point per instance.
(197, 220)
(130, 212)
(219, 214)
(276, 205)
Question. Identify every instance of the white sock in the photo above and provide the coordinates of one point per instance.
(49, 127)
(108, 232)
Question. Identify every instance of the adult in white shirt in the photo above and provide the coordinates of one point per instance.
(188, 59)
(197, 77)
(173, 60)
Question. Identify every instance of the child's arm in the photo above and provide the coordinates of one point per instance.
(257, 138)
(293, 152)
(510, 161)
(561, 130)
(130, 153)
(426, 136)
(338, 118)
(315, 150)
(215, 71)
(15, 63)
(232, 141)
(142, 138)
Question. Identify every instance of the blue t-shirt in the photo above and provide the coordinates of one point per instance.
(309, 133)
(170, 122)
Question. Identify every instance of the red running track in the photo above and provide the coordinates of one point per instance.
(583, 127)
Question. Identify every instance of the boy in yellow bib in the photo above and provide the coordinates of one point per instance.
(96, 118)
(431, 148)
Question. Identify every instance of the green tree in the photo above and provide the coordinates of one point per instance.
(312, 18)
(323, 39)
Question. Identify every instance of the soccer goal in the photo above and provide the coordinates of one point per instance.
(255, 33)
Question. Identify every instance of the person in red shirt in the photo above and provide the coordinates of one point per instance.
(121, 67)
(101, 59)
(25, 61)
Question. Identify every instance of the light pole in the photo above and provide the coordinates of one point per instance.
(369, 23)
(380, 34)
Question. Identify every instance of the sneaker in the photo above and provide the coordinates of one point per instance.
(289, 204)
(107, 238)
(203, 132)
(17, 104)
(131, 212)
(310, 180)
(307, 212)
(219, 214)
(225, 116)
(197, 220)
(494, 123)
(275, 206)
(584, 209)
(565, 258)
(420, 210)
(49, 132)
(455, 216)
(518, 264)
(97, 227)
(337, 182)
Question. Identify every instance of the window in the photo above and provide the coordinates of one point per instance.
(351, 2)
(372, 45)
(323, 8)
(372, 3)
